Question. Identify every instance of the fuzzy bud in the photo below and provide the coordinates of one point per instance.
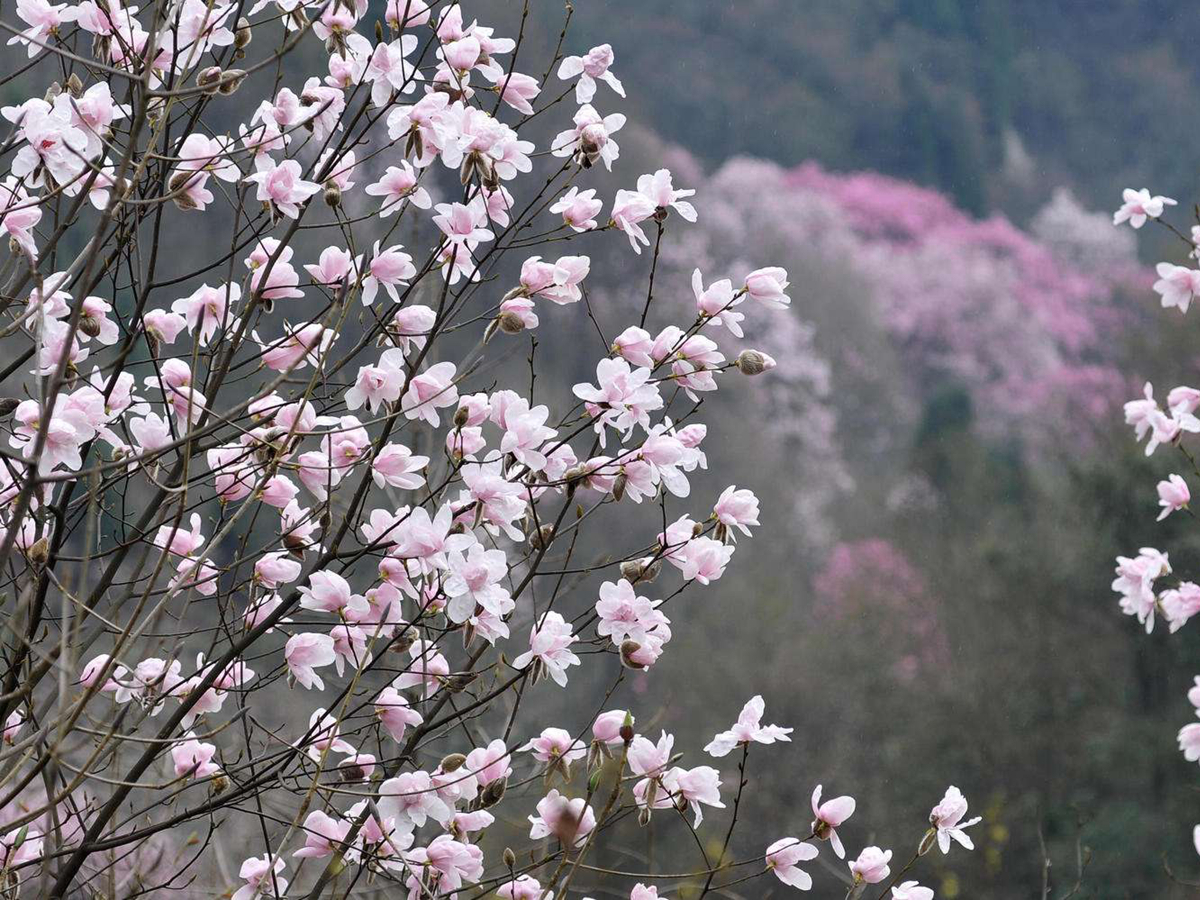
(333, 194)
(628, 649)
(541, 538)
(243, 35)
(753, 362)
(510, 323)
(74, 85)
(39, 552)
(231, 80)
(453, 762)
(209, 79)
(493, 793)
(510, 859)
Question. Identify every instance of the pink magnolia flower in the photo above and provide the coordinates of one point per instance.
(523, 887)
(782, 858)
(389, 268)
(911, 890)
(282, 186)
(1173, 494)
(642, 892)
(737, 508)
(262, 878)
(174, 539)
(1189, 741)
(306, 652)
(871, 865)
(549, 643)
(19, 214)
(399, 183)
(395, 713)
(591, 138)
(164, 326)
(462, 226)
(489, 764)
(624, 615)
(193, 759)
(767, 286)
(329, 592)
(694, 787)
(44, 20)
(629, 209)
(376, 385)
(398, 467)
(323, 836)
(555, 745)
(1180, 604)
(578, 208)
(624, 397)
(54, 145)
(590, 68)
(1135, 583)
(570, 821)
(659, 189)
(947, 818)
(1178, 285)
(828, 816)
(411, 798)
(607, 727)
(1138, 206)
(333, 266)
(517, 90)
(430, 391)
(389, 70)
(206, 308)
(748, 730)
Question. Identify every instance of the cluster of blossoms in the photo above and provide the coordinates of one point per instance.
(283, 466)
(1142, 581)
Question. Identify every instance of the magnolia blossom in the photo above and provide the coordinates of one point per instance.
(828, 816)
(1138, 206)
(748, 730)
(1135, 583)
(782, 858)
(590, 68)
(283, 187)
(549, 640)
(911, 890)
(1173, 494)
(306, 652)
(262, 878)
(193, 759)
(570, 821)
(947, 818)
(578, 209)
(871, 865)
(1178, 285)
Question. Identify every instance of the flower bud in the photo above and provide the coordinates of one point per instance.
(333, 194)
(243, 34)
(510, 858)
(456, 684)
(8, 405)
(74, 85)
(231, 80)
(52, 92)
(628, 649)
(453, 762)
(541, 538)
(404, 640)
(753, 362)
(209, 79)
(89, 326)
(39, 552)
(618, 489)
(510, 323)
(641, 570)
(493, 793)
(927, 842)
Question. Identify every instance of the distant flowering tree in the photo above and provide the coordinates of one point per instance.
(285, 568)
